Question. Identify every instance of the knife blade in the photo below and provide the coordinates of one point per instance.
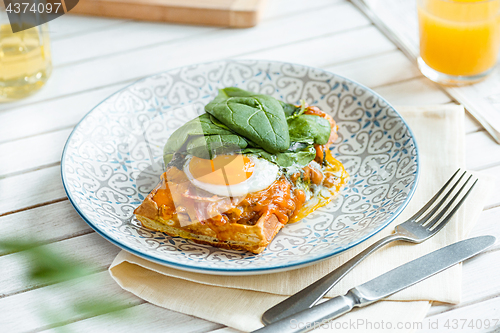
(382, 286)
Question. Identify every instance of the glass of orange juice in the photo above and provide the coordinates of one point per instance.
(459, 39)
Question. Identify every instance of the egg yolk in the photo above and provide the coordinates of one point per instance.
(222, 170)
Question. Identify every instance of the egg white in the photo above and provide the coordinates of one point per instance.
(264, 174)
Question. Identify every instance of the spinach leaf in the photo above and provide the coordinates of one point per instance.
(206, 146)
(201, 125)
(300, 157)
(203, 138)
(236, 92)
(309, 129)
(292, 111)
(258, 118)
(289, 109)
(216, 122)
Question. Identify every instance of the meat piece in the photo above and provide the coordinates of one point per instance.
(312, 174)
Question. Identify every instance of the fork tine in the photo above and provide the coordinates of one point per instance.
(434, 198)
(445, 209)
(442, 201)
(454, 210)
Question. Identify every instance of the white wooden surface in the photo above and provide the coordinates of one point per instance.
(94, 57)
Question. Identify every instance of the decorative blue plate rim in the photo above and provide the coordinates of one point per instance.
(246, 270)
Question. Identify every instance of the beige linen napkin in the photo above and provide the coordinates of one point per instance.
(239, 301)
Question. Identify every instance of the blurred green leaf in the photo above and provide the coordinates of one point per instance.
(48, 267)
(98, 307)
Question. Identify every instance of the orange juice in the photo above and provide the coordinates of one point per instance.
(459, 37)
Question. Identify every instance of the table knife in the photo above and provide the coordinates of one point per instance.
(382, 286)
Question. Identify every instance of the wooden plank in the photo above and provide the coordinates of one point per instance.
(144, 318)
(487, 224)
(480, 279)
(481, 151)
(378, 70)
(68, 26)
(219, 44)
(471, 124)
(226, 330)
(227, 13)
(51, 115)
(133, 35)
(418, 91)
(325, 50)
(29, 311)
(479, 314)
(48, 223)
(121, 38)
(30, 189)
(33, 152)
(91, 250)
(494, 200)
(279, 8)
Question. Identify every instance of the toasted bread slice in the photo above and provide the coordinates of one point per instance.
(253, 238)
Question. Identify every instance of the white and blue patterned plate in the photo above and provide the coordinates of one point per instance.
(113, 159)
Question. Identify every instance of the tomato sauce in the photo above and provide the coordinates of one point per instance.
(177, 195)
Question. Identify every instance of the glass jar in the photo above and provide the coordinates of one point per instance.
(25, 59)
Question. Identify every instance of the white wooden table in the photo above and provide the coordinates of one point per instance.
(94, 57)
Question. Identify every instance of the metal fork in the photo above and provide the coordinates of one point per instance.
(414, 230)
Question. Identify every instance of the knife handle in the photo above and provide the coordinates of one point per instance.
(308, 319)
(310, 295)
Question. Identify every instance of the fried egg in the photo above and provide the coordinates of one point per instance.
(231, 175)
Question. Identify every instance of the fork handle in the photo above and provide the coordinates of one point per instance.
(310, 295)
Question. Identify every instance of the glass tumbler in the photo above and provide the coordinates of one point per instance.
(25, 60)
(459, 39)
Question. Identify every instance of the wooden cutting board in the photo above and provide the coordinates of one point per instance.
(227, 13)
